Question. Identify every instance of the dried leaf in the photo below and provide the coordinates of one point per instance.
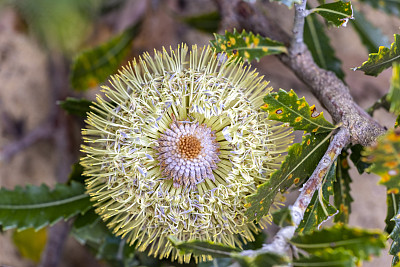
(384, 156)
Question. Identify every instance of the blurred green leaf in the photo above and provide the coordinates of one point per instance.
(38, 206)
(61, 25)
(76, 174)
(287, 107)
(218, 262)
(94, 66)
(361, 242)
(341, 186)
(282, 217)
(30, 243)
(392, 201)
(371, 36)
(394, 91)
(90, 230)
(319, 45)
(388, 6)
(383, 59)
(298, 165)
(337, 13)
(396, 124)
(384, 156)
(207, 22)
(74, 106)
(356, 158)
(267, 259)
(246, 46)
(203, 248)
(319, 210)
(331, 258)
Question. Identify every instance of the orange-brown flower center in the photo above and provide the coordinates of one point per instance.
(189, 146)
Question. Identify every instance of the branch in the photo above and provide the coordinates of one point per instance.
(297, 45)
(42, 132)
(327, 88)
(279, 244)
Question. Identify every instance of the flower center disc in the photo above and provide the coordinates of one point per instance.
(189, 146)
(187, 153)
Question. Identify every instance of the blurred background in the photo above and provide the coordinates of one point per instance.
(39, 41)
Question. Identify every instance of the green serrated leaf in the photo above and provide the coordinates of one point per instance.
(74, 106)
(246, 46)
(94, 66)
(371, 36)
(385, 160)
(383, 59)
(207, 22)
(388, 6)
(356, 158)
(203, 248)
(361, 242)
(341, 186)
(287, 107)
(329, 257)
(395, 236)
(298, 165)
(319, 45)
(282, 217)
(30, 243)
(319, 210)
(392, 201)
(337, 13)
(394, 92)
(38, 206)
(262, 260)
(288, 3)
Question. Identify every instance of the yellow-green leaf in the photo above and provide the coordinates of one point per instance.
(246, 46)
(94, 66)
(383, 59)
(298, 165)
(319, 210)
(30, 243)
(341, 188)
(287, 107)
(384, 156)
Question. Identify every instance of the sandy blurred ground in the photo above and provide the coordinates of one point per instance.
(25, 98)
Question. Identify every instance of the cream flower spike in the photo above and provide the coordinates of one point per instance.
(175, 148)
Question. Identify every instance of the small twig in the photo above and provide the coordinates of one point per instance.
(279, 244)
(381, 103)
(297, 44)
(42, 132)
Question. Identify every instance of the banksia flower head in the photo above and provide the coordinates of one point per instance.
(176, 148)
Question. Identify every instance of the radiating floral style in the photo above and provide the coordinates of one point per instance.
(175, 148)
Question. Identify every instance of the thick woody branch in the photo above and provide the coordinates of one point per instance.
(329, 89)
(279, 244)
